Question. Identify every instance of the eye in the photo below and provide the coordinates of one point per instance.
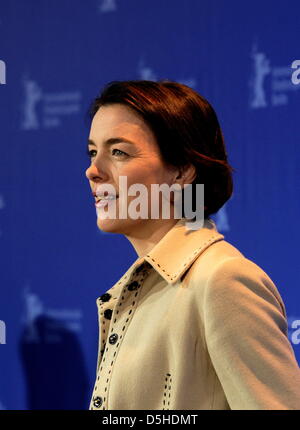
(89, 152)
(122, 153)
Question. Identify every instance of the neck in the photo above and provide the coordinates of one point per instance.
(143, 239)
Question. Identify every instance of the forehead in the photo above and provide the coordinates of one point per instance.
(118, 119)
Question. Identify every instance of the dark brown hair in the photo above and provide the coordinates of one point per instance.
(186, 129)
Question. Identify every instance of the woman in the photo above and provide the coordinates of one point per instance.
(193, 323)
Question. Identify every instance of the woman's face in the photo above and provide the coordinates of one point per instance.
(140, 162)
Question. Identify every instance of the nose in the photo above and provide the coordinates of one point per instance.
(92, 173)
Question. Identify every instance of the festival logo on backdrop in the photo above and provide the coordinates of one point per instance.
(261, 68)
(107, 6)
(33, 95)
(146, 72)
(41, 109)
(269, 85)
(190, 82)
(33, 309)
(45, 325)
(221, 218)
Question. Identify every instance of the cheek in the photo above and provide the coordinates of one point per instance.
(147, 172)
(159, 175)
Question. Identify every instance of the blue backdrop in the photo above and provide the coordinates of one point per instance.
(56, 56)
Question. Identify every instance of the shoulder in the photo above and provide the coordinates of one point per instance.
(223, 275)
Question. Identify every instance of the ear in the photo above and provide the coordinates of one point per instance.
(186, 175)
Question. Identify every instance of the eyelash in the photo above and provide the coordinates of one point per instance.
(115, 149)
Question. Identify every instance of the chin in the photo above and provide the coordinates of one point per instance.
(112, 225)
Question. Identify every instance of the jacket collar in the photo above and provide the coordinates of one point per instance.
(180, 247)
(174, 253)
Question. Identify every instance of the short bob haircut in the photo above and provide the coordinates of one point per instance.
(186, 129)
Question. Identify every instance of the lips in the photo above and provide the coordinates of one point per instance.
(99, 197)
(109, 197)
(102, 202)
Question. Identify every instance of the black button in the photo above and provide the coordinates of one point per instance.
(113, 338)
(138, 269)
(133, 286)
(97, 402)
(105, 297)
(107, 314)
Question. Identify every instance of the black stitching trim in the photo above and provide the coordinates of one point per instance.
(212, 239)
(140, 277)
(167, 391)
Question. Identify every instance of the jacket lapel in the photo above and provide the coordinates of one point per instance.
(180, 247)
(170, 257)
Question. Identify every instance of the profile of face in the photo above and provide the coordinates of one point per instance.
(134, 154)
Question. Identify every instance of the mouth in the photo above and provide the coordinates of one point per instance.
(101, 201)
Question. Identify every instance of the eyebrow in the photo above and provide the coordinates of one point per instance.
(111, 141)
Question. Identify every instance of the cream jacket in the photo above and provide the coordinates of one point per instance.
(194, 324)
